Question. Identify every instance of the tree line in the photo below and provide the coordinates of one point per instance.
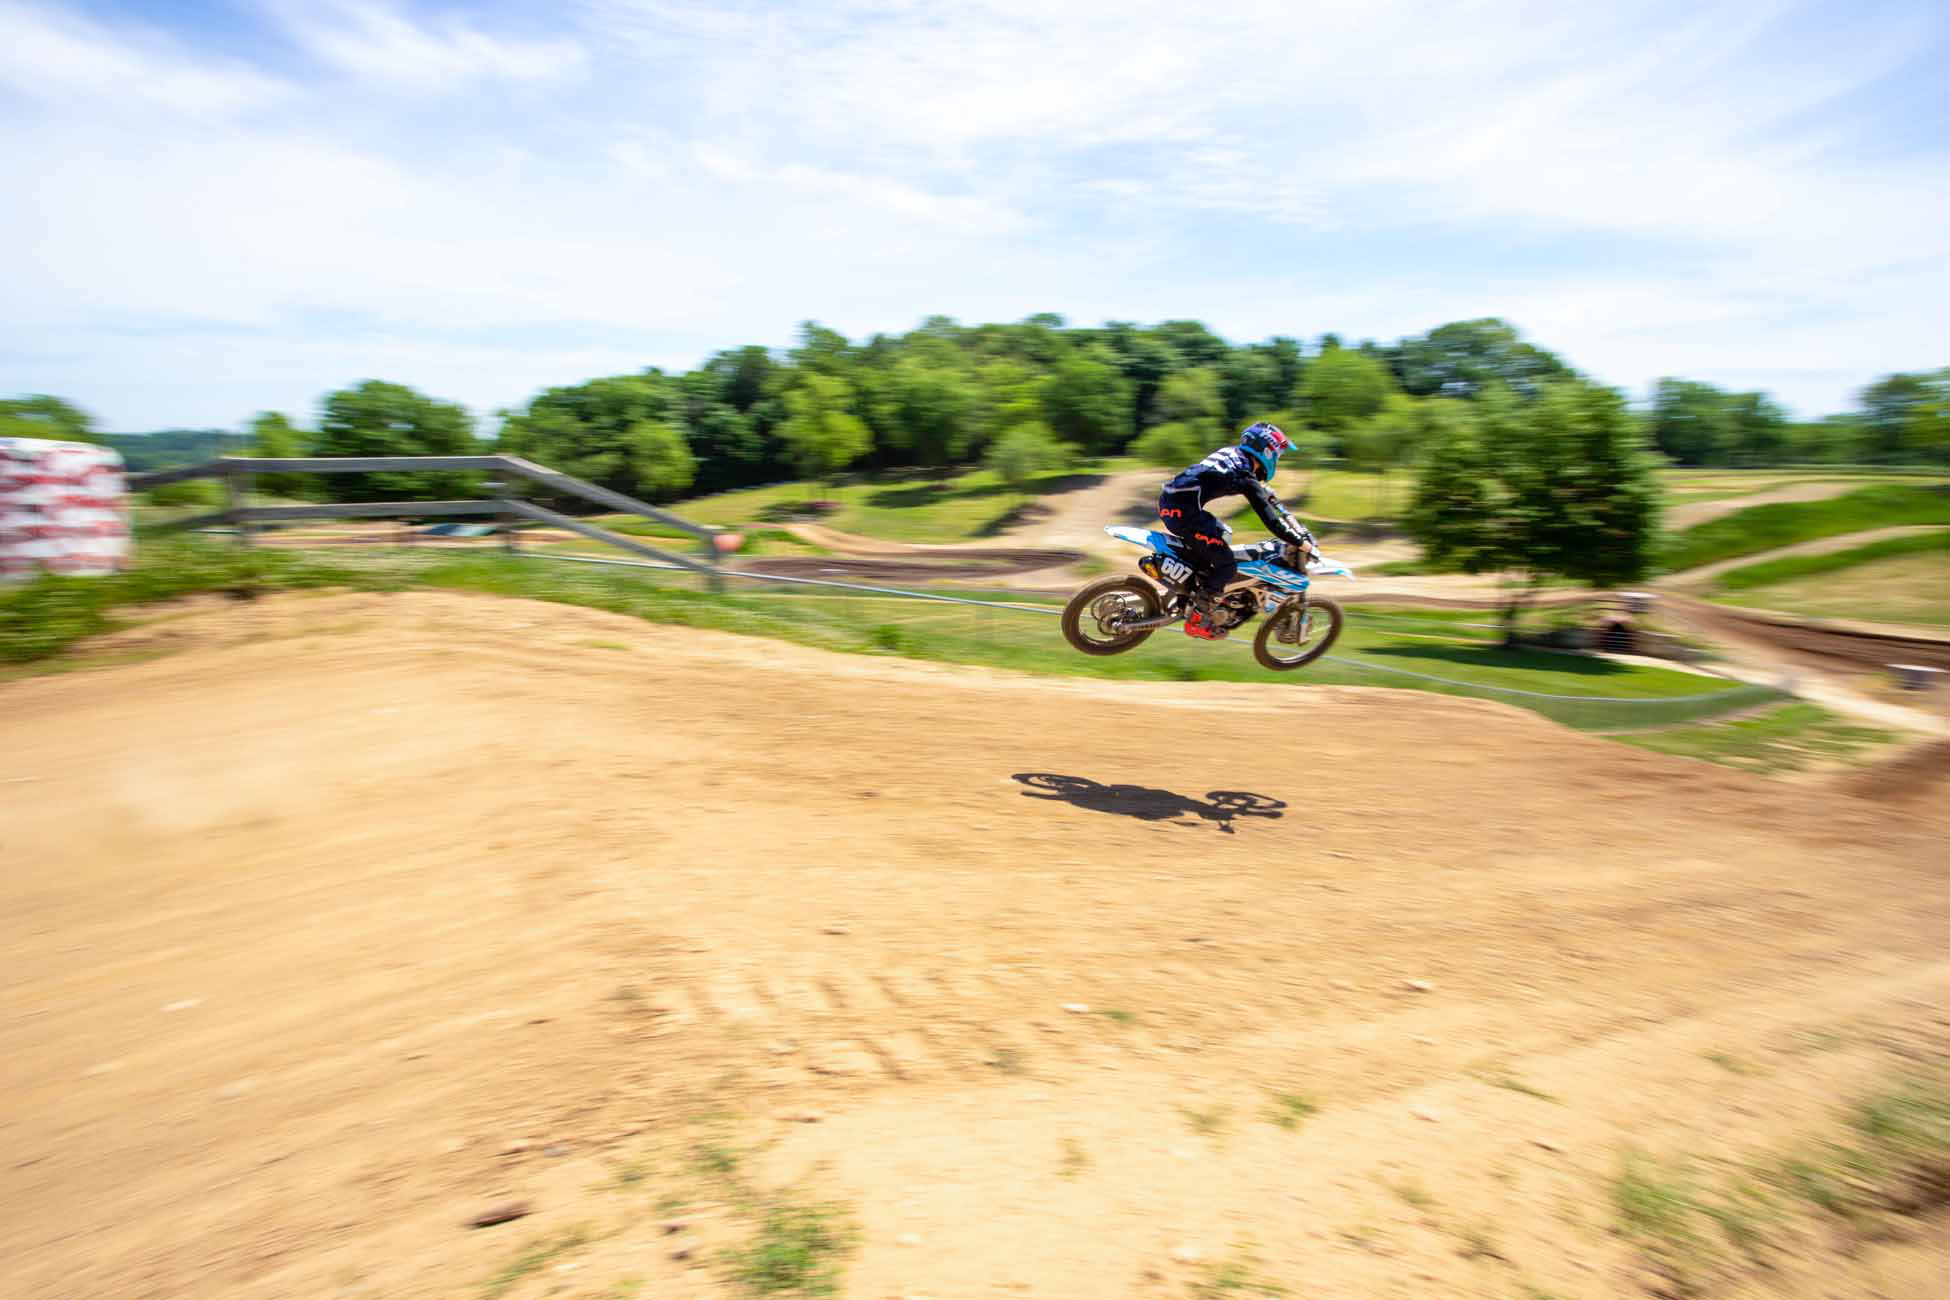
(1040, 394)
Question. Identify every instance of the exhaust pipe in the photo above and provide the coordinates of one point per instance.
(1148, 624)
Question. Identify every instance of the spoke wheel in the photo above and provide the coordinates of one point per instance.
(1297, 634)
(1094, 620)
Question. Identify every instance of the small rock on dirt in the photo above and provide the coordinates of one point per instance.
(1077, 1008)
(682, 1253)
(505, 1213)
(1417, 986)
(909, 1239)
(834, 929)
(1425, 1114)
(1187, 1254)
(675, 1226)
(1548, 1144)
(556, 1149)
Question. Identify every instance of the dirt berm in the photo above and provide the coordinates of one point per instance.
(357, 915)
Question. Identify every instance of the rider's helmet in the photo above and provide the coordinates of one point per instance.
(1265, 443)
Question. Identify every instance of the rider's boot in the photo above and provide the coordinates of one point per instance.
(1199, 622)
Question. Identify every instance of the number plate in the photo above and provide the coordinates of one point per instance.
(1175, 570)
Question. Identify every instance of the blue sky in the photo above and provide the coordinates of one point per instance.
(220, 206)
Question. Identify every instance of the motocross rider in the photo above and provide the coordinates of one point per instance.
(1242, 470)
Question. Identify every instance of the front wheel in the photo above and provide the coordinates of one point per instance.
(1094, 619)
(1297, 634)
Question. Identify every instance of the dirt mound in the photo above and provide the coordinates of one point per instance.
(1924, 771)
(360, 914)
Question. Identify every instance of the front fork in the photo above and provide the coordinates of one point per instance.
(1273, 605)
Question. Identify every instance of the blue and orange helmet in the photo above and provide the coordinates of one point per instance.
(1266, 443)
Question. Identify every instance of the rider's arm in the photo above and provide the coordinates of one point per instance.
(1276, 517)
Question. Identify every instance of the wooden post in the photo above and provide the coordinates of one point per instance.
(510, 541)
(714, 558)
(237, 489)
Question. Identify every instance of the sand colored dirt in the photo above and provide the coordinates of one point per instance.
(354, 915)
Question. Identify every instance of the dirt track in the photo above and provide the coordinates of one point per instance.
(356, 914)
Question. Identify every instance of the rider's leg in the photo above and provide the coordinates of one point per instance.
(1212, 555)
(1205, 540)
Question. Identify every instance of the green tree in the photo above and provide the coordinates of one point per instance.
(1343, 386)
(1886, 410)
(1172, 445)
(1831, 440)
(1192, 397)
(1759, 427)
(1144, 359)
(37, 415)
(1562, 486)
(381, 419)
(1461, 358)
(928, 410)
(1088, 403)
(592, 430)
(1691, 422)
(1929, 425)
(1023, 451)
(1391, 436)
(1250, 384)
(820, 432)
(660, 461)
(272, 437)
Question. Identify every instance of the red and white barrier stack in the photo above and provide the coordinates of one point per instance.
(64, 508)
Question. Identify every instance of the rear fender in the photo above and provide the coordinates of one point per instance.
(1149, 538)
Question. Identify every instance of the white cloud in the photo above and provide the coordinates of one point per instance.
(62, 58)
(1650, 188)
(377, 42)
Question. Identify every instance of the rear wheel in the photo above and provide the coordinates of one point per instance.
(1094, 619)
(1297, 634)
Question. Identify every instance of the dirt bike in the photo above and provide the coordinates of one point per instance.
(1113, 615)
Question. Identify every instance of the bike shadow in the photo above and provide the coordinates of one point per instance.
(1220, 807)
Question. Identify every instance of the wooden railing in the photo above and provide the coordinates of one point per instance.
(237, 472)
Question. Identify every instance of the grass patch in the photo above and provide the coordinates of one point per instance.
(1442, 655)
(1411, 1193)
(629, 1175)
(1770, 527)
(1289, 1110)
(1907, 586)
(1511, 1083)
(1733, 1064)
(798, 1249)
(1656, 1203)
(534, 1257)
(1788, 567)
(1790, 737)
(51, 613)
(716, 1158)
(1891, 1160)
(1075, 1158)
(951, 505)
(1236, 1275)
(1119, 1017)
(1009, 1060)
(1209, 1122)
(1479, 1242)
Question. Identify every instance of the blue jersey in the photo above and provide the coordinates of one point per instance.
(1232, 472)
